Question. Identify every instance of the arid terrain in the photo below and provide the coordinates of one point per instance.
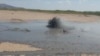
(7, 15)
(7, 46)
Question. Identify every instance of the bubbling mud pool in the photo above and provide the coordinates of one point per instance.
(81, 37)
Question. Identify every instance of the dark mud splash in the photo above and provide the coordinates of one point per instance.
(56, 26)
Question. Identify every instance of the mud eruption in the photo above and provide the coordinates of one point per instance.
(54, 23)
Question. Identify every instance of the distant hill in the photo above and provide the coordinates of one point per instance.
(10, 7)
(6, 6)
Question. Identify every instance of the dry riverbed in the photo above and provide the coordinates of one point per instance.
(6, 15)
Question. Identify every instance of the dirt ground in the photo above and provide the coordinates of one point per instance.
(7, 46)
(6, 15)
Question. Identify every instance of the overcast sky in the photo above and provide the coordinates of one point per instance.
(80, 5)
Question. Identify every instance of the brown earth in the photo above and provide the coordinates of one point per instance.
(7, 46)
(6, 15)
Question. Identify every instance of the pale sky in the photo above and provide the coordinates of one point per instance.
(79, 5)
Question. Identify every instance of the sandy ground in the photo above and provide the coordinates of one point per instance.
(6, 15)
(7, 46)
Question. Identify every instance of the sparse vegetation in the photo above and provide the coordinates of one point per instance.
(57, 11)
